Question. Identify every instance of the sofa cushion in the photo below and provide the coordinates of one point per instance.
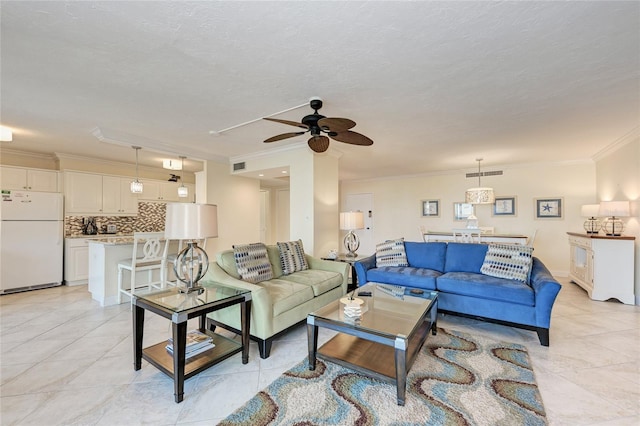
(426, 255)
(486, 287)
(510, 261)
(292, 258)
(320, 281)
(286, 295)
(404, 276)
(252, 262)
(465, 257)
(227, 261)
(391, 253)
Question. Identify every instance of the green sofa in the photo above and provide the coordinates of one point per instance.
(279, 303)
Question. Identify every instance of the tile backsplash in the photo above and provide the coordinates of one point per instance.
(150, 218)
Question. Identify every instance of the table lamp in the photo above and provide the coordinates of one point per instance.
(191, 222)
(592, 225)
(613, 211)
(349, 221)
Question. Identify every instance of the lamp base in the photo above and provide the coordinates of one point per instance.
(351, 243)
(195, 288)
(190, 266)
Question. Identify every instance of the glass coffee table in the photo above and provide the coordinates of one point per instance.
(179, 308)
(383, 342)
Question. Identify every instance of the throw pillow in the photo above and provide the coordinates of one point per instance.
(252, 262)
(391, 253)
(511, 261)
(292, 257)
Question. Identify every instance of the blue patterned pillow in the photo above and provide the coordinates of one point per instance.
(252, 262)
(292, 257)
(391, 253)
(511, 261)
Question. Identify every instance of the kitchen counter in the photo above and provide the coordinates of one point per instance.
(113, 240)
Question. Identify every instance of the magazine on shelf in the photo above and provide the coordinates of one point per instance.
(197, 342)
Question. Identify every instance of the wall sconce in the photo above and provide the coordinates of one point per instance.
(613, 210)
(592, 225)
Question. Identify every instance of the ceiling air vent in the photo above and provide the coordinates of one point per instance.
(494, 173)
(239, 166)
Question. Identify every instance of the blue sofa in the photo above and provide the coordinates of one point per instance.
(453, 269)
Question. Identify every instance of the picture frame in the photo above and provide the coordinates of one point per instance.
(461, 211)
(431, 208)
(548, 208)
(504, 206)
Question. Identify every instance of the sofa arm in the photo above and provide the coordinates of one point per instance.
(330, 265)
(546, 289)
(362, 266)
(261, 303)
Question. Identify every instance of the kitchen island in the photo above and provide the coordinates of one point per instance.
(104, 255)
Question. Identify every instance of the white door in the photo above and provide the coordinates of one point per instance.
(364, 203)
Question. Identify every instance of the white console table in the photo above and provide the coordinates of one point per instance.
(603, 266)
(484, 238)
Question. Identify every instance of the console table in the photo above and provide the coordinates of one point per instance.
(484, 238)
(603, 265)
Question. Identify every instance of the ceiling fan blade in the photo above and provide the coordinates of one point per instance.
(353, 138)
(319, 143)
(284, 136)
(336, 124)
(290, 123)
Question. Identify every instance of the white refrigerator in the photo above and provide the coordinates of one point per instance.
(31, 240)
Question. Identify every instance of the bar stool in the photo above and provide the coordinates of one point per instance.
(152, 260)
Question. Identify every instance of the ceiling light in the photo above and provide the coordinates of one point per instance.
(172, 164)
(479, 195)
(136, 185)
(183, 191)
(6, 135)
(284, 171)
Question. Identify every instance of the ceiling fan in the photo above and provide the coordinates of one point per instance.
(335, 128)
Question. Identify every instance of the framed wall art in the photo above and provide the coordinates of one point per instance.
(548, 208)
(461, 211)
(504, 206)
(431, 208)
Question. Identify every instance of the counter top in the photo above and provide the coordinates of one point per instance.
(112, 241)
(94, 236)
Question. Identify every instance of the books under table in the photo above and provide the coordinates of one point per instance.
(197, 342)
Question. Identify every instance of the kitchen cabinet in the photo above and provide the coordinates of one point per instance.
(603, 266)
(29, 179)
(154, 190)
(76, 261)
(88, 193)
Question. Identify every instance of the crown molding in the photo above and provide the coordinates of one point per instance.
(38, 155)
(629, 137)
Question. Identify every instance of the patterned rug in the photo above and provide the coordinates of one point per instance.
(457, 379)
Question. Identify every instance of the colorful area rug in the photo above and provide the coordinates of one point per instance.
(457, 379)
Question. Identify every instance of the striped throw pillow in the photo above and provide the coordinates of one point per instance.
(391, 253)
(511, 261)
(292, 257)
(252, 262)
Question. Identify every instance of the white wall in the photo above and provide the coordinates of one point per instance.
(618, 178)
(398, 205)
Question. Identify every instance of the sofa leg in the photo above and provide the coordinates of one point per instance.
(264, 346)
(543, 336)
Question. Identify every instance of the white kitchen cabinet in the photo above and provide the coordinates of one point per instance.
(154, 190)
(603, 266)
(29, 179)
(88, 193)
(76, 261)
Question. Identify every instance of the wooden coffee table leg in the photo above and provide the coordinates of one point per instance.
(401, 368)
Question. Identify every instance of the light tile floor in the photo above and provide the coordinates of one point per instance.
(65, 360)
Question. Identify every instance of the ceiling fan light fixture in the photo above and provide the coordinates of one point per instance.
(480, 194)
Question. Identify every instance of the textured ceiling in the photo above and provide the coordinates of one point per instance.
(434, 84)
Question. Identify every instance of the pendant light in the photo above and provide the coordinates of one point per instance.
(136, 185)
(479, 195)
(183, 191)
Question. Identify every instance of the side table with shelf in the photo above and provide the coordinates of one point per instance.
(351, 261)
(179, 308)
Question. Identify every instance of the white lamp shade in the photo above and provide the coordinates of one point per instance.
(590, 210)
(614, 208)
(351, 220)
(189, 221)
(479, 196)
